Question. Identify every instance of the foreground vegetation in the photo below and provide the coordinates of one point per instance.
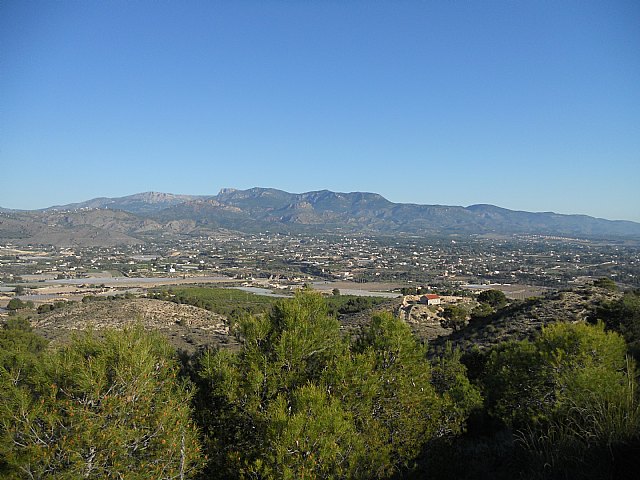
(299, 400)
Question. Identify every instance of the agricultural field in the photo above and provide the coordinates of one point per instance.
(234, 303)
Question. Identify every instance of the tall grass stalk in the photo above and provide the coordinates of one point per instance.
(585, 435)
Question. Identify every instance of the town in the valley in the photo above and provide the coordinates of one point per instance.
(275, 263)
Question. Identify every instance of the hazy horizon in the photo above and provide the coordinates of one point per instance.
(524, 105)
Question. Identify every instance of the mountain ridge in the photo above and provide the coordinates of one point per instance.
(256, 209)
(136, 203)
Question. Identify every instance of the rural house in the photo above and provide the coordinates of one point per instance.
(430, 299)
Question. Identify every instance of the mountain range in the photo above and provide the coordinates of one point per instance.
(141, 217)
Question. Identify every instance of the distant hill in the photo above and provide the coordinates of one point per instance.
(138, 218)
(140, 203)
(371, 213)
(82, 228)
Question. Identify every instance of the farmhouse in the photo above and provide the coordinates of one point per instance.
(430, 299)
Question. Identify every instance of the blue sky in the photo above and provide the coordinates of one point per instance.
(526, 105)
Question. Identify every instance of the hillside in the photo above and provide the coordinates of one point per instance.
(87, 227)
(137, 218)
(189, 327)
(139, 203)
(524, 319)
(371, 213)
(186, 327)
(84, 228)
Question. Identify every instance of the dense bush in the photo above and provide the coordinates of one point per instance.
(299, 401)
(97, 408)
(570, 395)
(494, 298)
(17, 304)
(623, 316)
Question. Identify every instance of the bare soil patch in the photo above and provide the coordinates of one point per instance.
(187, 327)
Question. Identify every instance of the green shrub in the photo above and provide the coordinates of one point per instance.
(110, 408)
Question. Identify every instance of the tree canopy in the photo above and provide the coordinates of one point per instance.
(97, 408)
(495, 298)
(303, 399)
(570, 391)
(318, 406)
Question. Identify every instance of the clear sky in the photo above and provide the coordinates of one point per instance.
(528, 105)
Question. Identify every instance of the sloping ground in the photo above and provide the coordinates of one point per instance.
(187, 328)
(522, 320)
(425, 321)
(190, 328)
(93, 228)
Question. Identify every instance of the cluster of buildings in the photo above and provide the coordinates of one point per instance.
(288, 258)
